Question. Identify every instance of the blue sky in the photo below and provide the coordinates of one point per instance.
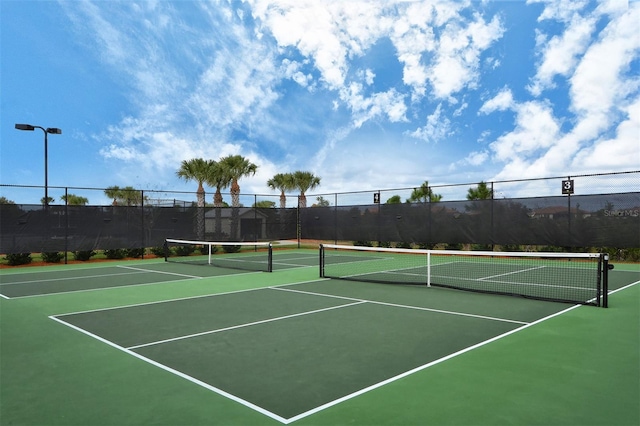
(365, 94)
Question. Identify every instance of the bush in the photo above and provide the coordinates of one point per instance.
(426, 246)
(403, 245)
(384, 244)
(15, 259)
(184, 250)
(454, 246)
(135, 252)
(363, 243)
(158, 251)
(83, 255)
(52, 257)
(115, 253)
(230, 249)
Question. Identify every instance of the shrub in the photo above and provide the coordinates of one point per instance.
(404, 245)
(15, 259)
(83, 255)
(454, 246)
(384, 244)
(115, 253)
(426, 246)
(52, 257)
(230, 249)
(363, 243)
(135, 252)
(184, 250)
(158, 251)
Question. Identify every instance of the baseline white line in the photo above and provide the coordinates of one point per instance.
(204, 333)
(419, 308)
(176, 372)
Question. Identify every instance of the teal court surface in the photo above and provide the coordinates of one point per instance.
(154, 342)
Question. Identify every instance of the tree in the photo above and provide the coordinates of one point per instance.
(264, 204)
(113, 192)
(219, 178)
(395, 199)
(424, 194)
(47, 201)
(128, 195)
(74, 200)
(481, 192)
(304, 181)
(236, 167)
(131, 196)
(197, 169)
(321, 202)
(282, 182)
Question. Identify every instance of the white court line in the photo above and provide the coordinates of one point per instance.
(159, 272)
(331, 403)
(439, 311)
(176, 372)
(133, 305)
(70, 278)
(188, 336)
(511, 273)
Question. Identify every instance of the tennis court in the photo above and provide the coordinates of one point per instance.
(287, 346)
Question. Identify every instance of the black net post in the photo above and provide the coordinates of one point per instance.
(270, 258)
(321, 262)
(165, 246)
(605, 280)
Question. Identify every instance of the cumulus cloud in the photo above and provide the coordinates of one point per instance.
(502, 101)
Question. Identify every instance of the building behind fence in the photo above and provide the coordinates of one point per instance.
(598, 210)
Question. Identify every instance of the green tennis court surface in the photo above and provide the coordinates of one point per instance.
(289, 347)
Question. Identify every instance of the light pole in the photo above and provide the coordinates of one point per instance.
(53, 131)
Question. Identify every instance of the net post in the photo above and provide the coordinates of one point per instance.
(428, 269)
(165, 248)
(209, 257)
(321, 262)
(605, 280)
(269, 258)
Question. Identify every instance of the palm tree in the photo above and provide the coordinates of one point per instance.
(219, 178)
(113, 192)
(481, 192)
(74, 200)
(304, 181)
(235, 167)
(131, 196)
(282, 182)
(196, 169)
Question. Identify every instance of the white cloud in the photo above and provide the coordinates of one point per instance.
(535, 129)
(560, 53)
(436, 128)
(501, 102)
(476, 158)
(619, 153)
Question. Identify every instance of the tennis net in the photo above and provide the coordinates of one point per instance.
(564, 277)
(253, 256)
